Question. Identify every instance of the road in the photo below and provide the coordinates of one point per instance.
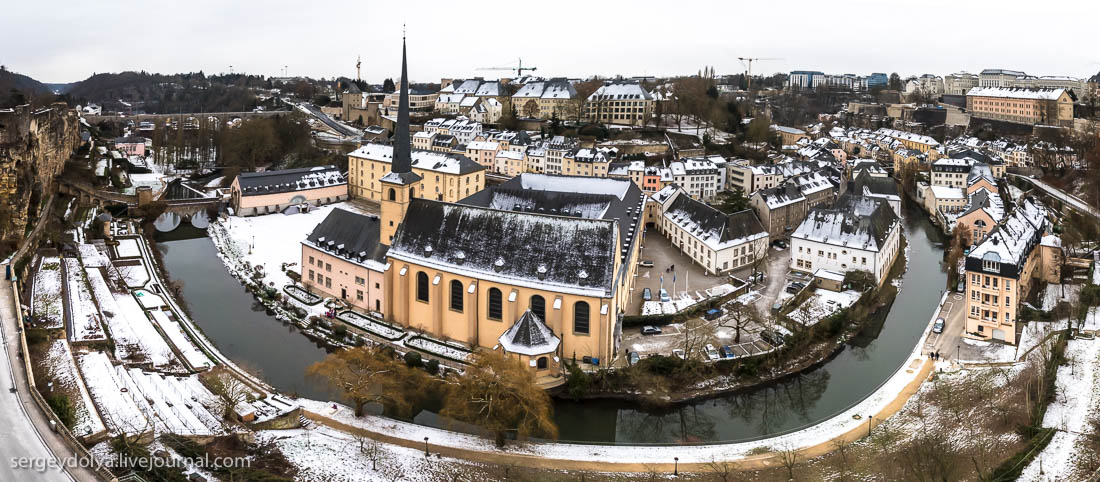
(336, 126)
(1063, 196)
(24, 430)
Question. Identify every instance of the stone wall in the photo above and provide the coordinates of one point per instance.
(34, 145)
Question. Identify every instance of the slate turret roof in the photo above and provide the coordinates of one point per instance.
(529, 336)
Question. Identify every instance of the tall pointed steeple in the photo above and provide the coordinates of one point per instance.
(402, 150)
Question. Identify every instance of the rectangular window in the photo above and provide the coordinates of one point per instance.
(311, 275)
(359, 295)
(328, 282)
(328, 267)
(311, 260)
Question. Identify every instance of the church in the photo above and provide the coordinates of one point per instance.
(539, 267)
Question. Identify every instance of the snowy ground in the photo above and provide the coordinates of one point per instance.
(685, 301)
(120, 412)
(128, 248)
(85, 318)
(1034, 333)
(325, 454)
(1052, 295)
(62, 369)
(822, 304)
(274, 239)
(1076, 401)
(134, 336)
(47, 304)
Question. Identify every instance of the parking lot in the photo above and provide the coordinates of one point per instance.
(689, 276)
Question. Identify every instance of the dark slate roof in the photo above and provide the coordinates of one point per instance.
(128, 140)
(572, 254)
(529, 336)
(882, 186)
(402, 140)
(714, 225)
(854, 221)
(594, 198)
(289, 180)
(349, 235)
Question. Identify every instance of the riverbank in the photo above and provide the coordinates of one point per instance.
(650, 382)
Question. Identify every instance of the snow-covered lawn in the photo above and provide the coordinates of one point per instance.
(194, 357)
(170, 408)
(119, 409)
(366, 324)
(1033, 334)
(445, 350)
(62, 369)
(134, 336)
(274, 239)
(1052, 295)
(135, 275)
(82, 309)
(1076, 401)
(325, 454)
(822, 304)
(128, 248)
(46, 304)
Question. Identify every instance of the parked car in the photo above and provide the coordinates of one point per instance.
(726, 351)
(633, 358)
(645, 263)
(779, 243)
(647, 295)
(679, 354)
(664, 295)
(713, 314)
(773, 336)
(712, 354)
(651, 330)
(937, 327)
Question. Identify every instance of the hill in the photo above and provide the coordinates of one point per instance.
(17, 88)
(159, 93)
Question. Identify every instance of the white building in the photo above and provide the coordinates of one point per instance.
(712, 239)
(696, 175)
(858, 233)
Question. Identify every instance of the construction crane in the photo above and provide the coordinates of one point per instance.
(748, 67)
(519, 69)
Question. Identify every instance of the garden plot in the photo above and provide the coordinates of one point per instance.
(1052, 295)
(445, 350)
(62, 369)
(128, 248)
(91, 256)
(119, 409)
(133, 272)
(47, 305)
(149, 300)
(194, 357)
(366, 324)
(83, 313)
(135, 338)
(171, 410)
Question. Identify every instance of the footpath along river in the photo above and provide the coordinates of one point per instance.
(277, 352)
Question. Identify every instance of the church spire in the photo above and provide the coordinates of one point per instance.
(402, 150)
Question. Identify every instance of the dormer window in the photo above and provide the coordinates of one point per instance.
(991, 262)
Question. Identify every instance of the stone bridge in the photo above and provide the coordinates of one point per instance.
(159, 119)
(86, 194)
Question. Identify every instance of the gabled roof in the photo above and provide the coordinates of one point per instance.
(856, 222)
(713, 227)
(289, 180)
(351, 236)
(566, 254)
(866, 184)
(529, 336)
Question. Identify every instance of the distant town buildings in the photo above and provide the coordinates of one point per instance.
(1021, 105)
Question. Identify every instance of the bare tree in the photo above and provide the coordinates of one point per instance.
(722, 469)
(738, 317)
(695, 334)
(790, 458)
(228, 389)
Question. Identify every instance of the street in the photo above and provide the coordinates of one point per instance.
(19, 437)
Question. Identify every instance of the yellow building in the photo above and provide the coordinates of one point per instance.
(620, 103)
(469, 272)
(1000, 269)
(1021, 105)
(444, 176)
(542, 99)
(586, 162)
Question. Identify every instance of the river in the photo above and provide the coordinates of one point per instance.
(276, 351)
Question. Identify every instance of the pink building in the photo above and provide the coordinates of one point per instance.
(274, 191)
(130, 146)
(343, 258)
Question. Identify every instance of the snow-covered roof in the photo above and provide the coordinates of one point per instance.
(856, 222)
(1015, 93)
(712, 227)
(421, 159)
(1012, 240)
(944, 192)
(620, 91)
(529, 336)
(289, 180)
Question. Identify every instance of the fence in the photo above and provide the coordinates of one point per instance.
(61, 429)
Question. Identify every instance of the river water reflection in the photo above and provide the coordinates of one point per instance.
(280, 354)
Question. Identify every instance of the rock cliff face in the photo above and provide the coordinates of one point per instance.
(34, 145)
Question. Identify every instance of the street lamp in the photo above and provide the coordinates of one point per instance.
(957, 353)
(870, 418)
(425, 446)
(676, 466)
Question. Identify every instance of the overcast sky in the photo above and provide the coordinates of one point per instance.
(561, 37)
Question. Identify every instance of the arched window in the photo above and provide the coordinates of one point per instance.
(496, 308)
(393, 194)
(456, 295)
(580, 317)
(422, 286)
(538, 307)
(543, 363)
